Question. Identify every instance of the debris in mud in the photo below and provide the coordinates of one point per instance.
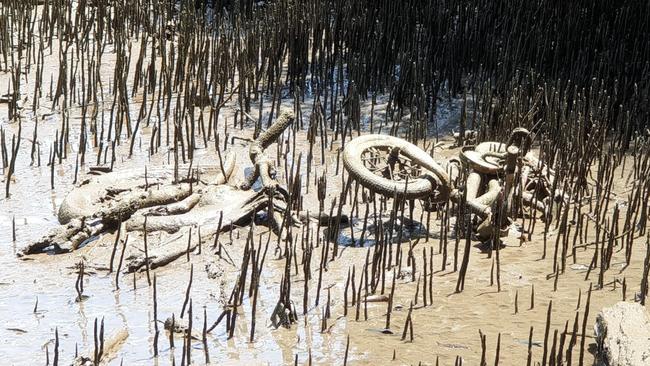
(106, 350)
(153, 202)
(395, 168)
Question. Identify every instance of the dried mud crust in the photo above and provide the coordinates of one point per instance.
(433, 183)
(623, 334)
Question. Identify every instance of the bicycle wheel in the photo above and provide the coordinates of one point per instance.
(389, 165)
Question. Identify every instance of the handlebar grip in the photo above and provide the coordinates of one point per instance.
(283, 121)
(257, 147)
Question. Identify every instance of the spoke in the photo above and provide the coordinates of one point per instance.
(366, 158)
(376, 160)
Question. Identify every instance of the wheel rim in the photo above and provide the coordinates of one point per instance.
(413, 175)
(388, 162)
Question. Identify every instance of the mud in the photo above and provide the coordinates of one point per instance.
(37, 292)
(448, 328)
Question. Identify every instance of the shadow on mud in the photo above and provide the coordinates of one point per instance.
(354, 235)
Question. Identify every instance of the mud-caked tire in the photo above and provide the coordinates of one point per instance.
(434, 183)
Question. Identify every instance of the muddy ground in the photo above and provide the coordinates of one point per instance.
(37, 292)
(445, 329)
